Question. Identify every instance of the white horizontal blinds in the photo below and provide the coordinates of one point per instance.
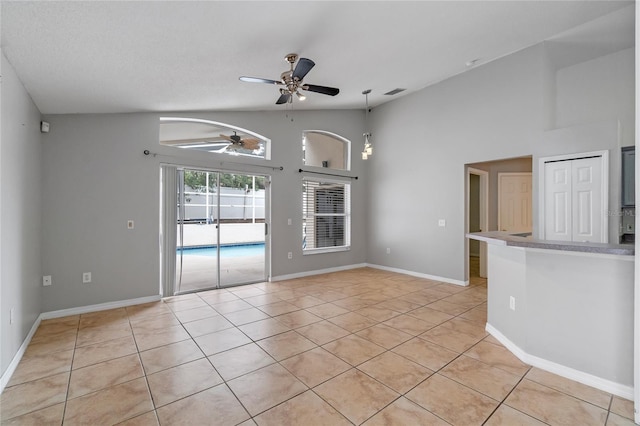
(326, 216)
(168, 212)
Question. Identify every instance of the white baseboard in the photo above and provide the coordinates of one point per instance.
(623, 391)
(6, 376)
(419, 275)
(317, 272)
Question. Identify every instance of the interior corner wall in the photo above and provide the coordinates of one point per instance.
(97, 177)
(495, 111)
(20, 214)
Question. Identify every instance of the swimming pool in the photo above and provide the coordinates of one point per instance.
(241, 250)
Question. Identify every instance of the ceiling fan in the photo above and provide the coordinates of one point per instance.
(292, 80)
(237, 142)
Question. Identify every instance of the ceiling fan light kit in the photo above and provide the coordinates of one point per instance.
(291, 80)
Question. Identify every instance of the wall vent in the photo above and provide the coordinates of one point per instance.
(395, 91)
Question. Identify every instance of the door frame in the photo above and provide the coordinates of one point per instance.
(530, 174)
(484, 216)
(604, 185)
(267, 213)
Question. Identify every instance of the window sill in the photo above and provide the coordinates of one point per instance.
(306, 252)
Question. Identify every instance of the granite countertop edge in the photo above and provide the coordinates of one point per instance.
(508, 239)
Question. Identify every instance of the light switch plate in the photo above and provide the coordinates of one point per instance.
(442, 223)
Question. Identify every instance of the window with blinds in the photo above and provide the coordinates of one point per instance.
(326, 216)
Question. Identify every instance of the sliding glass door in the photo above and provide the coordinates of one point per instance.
(220, 229)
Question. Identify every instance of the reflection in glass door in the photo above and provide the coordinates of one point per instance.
(220, 230)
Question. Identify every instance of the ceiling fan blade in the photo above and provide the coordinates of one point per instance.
(283, 99)
(225, 137)
(303, 67)
(259, 80)
(331, 91)
(251, 144)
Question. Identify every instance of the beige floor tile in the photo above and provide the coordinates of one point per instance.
(315, 366)
(377, 313)
(305, 301)
(264, 328)
(452, 401)
(506, 415)
(616, 420)
(425, 353)
(196, 409)
(163, 357)
(196, 314)
(298, 319)
(404, 412)
(578, 390)
(221, 341)
(32, 396)
(47, 416)
(395, 371)
(356, 395)
(450, 339)
(246, 316)
(238, 361)
(491, 339)
(48, 344)
(157, 322)
(409, 324)
(399, 305)
(553, 407)
(622, 407)
(160, 337)
(99, 376)
(245, 291)
(146, 419)
(352, 322)
(213, 297)
(354, 349)
(37, 367)
(187, 303)
(111, 405)
(327, 310)
(285, 345)
(278, 308)
(497, 356)
(430, 315)
(467, 327)
(352, 303)
(481, 377)
(304, 409)
(447, 307)
(92, 335)
(104, 351)
(109, 316)
(186, 379)
(263, 299)
(146, 309)
(322, 332)
(385, 336)
(231, 306)
(477, 314)
(207, 325)
(264, 388)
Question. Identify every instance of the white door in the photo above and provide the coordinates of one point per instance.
(514, 202)
(573, 200)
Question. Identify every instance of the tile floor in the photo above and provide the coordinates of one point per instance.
(356, 347)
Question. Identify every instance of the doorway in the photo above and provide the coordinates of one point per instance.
(220, 230)
(477, 220)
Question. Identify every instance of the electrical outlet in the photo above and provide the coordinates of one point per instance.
(290, 255)
(86, 277)
(46, 280)
(130, 224)
(388, 250)
(442, 223)
(289, 222)
(512, 303)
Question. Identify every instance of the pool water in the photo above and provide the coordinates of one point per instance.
(226, 251)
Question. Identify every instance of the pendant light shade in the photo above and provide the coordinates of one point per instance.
(368, 148)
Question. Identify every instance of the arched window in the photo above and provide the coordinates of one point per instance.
(325, 149)
(211, 136)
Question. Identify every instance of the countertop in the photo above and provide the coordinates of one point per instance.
(515, 240)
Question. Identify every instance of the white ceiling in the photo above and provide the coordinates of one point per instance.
(104, 57)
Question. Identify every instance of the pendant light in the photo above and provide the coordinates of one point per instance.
(368, 148)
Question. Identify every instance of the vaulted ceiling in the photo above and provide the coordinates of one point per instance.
(107, 56)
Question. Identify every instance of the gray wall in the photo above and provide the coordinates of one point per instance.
(20, 213)
(96, 178)
(498, 110)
